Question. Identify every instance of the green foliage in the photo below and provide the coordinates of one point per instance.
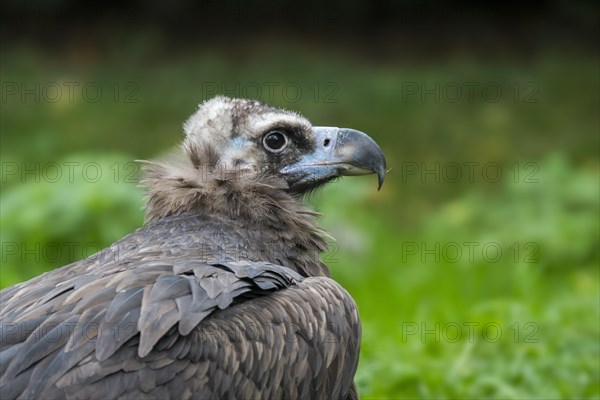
(65, 213)
(477, 325)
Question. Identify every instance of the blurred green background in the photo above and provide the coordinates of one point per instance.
(475, 268)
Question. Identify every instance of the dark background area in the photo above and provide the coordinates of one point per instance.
(389, 29)
(438, 321)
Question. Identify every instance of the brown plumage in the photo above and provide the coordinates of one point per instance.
(220, 294)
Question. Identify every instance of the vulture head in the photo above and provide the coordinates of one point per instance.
(243, 156)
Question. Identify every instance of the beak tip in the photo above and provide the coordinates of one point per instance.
(380, 178)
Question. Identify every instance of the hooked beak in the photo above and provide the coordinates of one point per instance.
(339, 152)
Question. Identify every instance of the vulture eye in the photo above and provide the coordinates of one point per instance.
(275, 141)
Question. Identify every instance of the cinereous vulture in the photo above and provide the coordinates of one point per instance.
(220, 295)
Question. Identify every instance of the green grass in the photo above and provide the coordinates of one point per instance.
(521, 325)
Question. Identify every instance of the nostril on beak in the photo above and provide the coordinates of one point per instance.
(326, 142)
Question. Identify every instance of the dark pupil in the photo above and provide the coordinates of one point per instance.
(275, 141)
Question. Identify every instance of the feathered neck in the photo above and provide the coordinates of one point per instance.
(258, 202)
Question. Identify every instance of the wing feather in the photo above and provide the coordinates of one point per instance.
(178, 325)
